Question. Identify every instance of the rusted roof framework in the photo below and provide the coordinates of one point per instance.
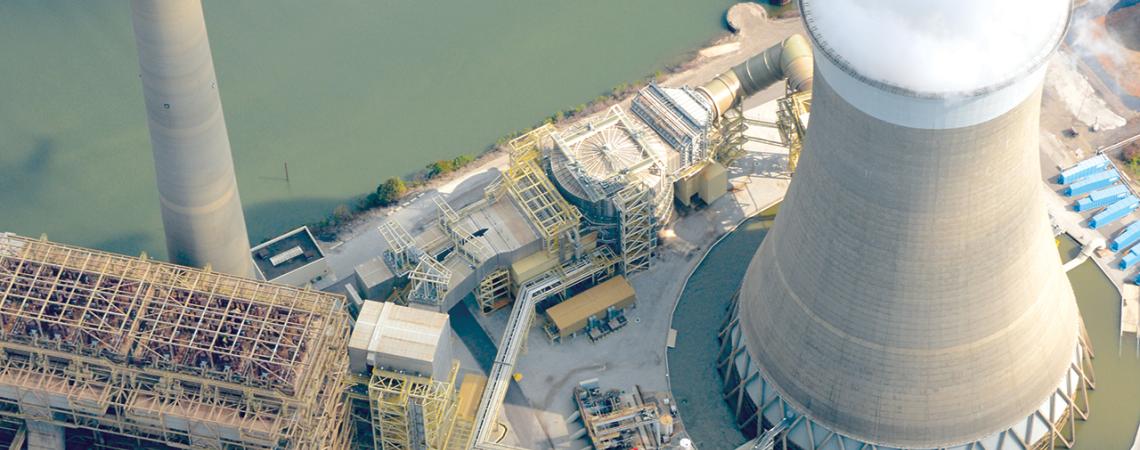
(167, 353)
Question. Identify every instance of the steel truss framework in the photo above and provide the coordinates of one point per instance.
(548, 212)
(402, 254)
(637, 228)
(793, 107)
(727, 142)
(1048, 429)
(181, 356)
(494, 291)
(463, 238)
(616, 425)
(429, 280)
(413, 412)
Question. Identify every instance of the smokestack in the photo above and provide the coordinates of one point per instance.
(909, 294)
(201, 209)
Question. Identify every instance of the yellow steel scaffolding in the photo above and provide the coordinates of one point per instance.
(462, 236)
(428, 281)
(467, 406)
(790, 119)
(534, 193)
(494, 290)
(401, 254)
(180, 356)
(638, 238)
(726, 143)
(412, 412)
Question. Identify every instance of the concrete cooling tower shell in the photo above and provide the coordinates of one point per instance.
(909, 294)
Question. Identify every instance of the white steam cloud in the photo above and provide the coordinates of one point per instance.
(939, 46)
(1092, 40)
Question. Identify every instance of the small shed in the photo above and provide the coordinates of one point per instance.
(574, 314)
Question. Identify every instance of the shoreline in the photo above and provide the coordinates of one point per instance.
(741, 23)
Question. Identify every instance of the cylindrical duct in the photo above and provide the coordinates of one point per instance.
(909, 294)
(201, 209)
(791, 59)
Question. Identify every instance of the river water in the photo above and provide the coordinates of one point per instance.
(347, 92)
(1115, 404)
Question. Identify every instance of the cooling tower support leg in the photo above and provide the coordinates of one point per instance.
(198, 193)
(754, 416)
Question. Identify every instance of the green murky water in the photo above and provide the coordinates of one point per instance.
(347, 92)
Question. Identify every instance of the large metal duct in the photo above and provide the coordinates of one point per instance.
(201, 209)
(909, 294)
(790, 59)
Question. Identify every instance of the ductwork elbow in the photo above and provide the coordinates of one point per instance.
(790, 59)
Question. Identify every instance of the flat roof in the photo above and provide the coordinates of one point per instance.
(595, 300)
(400, 332)
(373, 272)
(286, 253)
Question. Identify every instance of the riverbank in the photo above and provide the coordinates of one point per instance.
(371, 90)
(745, 19)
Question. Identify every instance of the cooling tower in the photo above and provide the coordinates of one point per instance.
(201, 210)
(910, 294)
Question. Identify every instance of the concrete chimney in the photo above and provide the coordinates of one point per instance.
(201, 209)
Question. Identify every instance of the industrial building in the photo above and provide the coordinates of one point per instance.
(405, 395)
(909, 294)
(143, 352)
(598, 311)
(293, 258)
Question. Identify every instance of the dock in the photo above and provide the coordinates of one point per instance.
(1072, 223)
(1130, 310)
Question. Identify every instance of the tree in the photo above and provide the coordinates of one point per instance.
(462, 160)
(1131, 155)
(341, 213)
(440, 167)
(390, 191)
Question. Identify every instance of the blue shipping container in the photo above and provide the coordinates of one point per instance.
(1093, 182)
(1114, 211)
(1128, 236)
(1102, 197)
(1130, 258)
(1083, 169)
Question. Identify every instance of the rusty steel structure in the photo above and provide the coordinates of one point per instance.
(188, 358)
